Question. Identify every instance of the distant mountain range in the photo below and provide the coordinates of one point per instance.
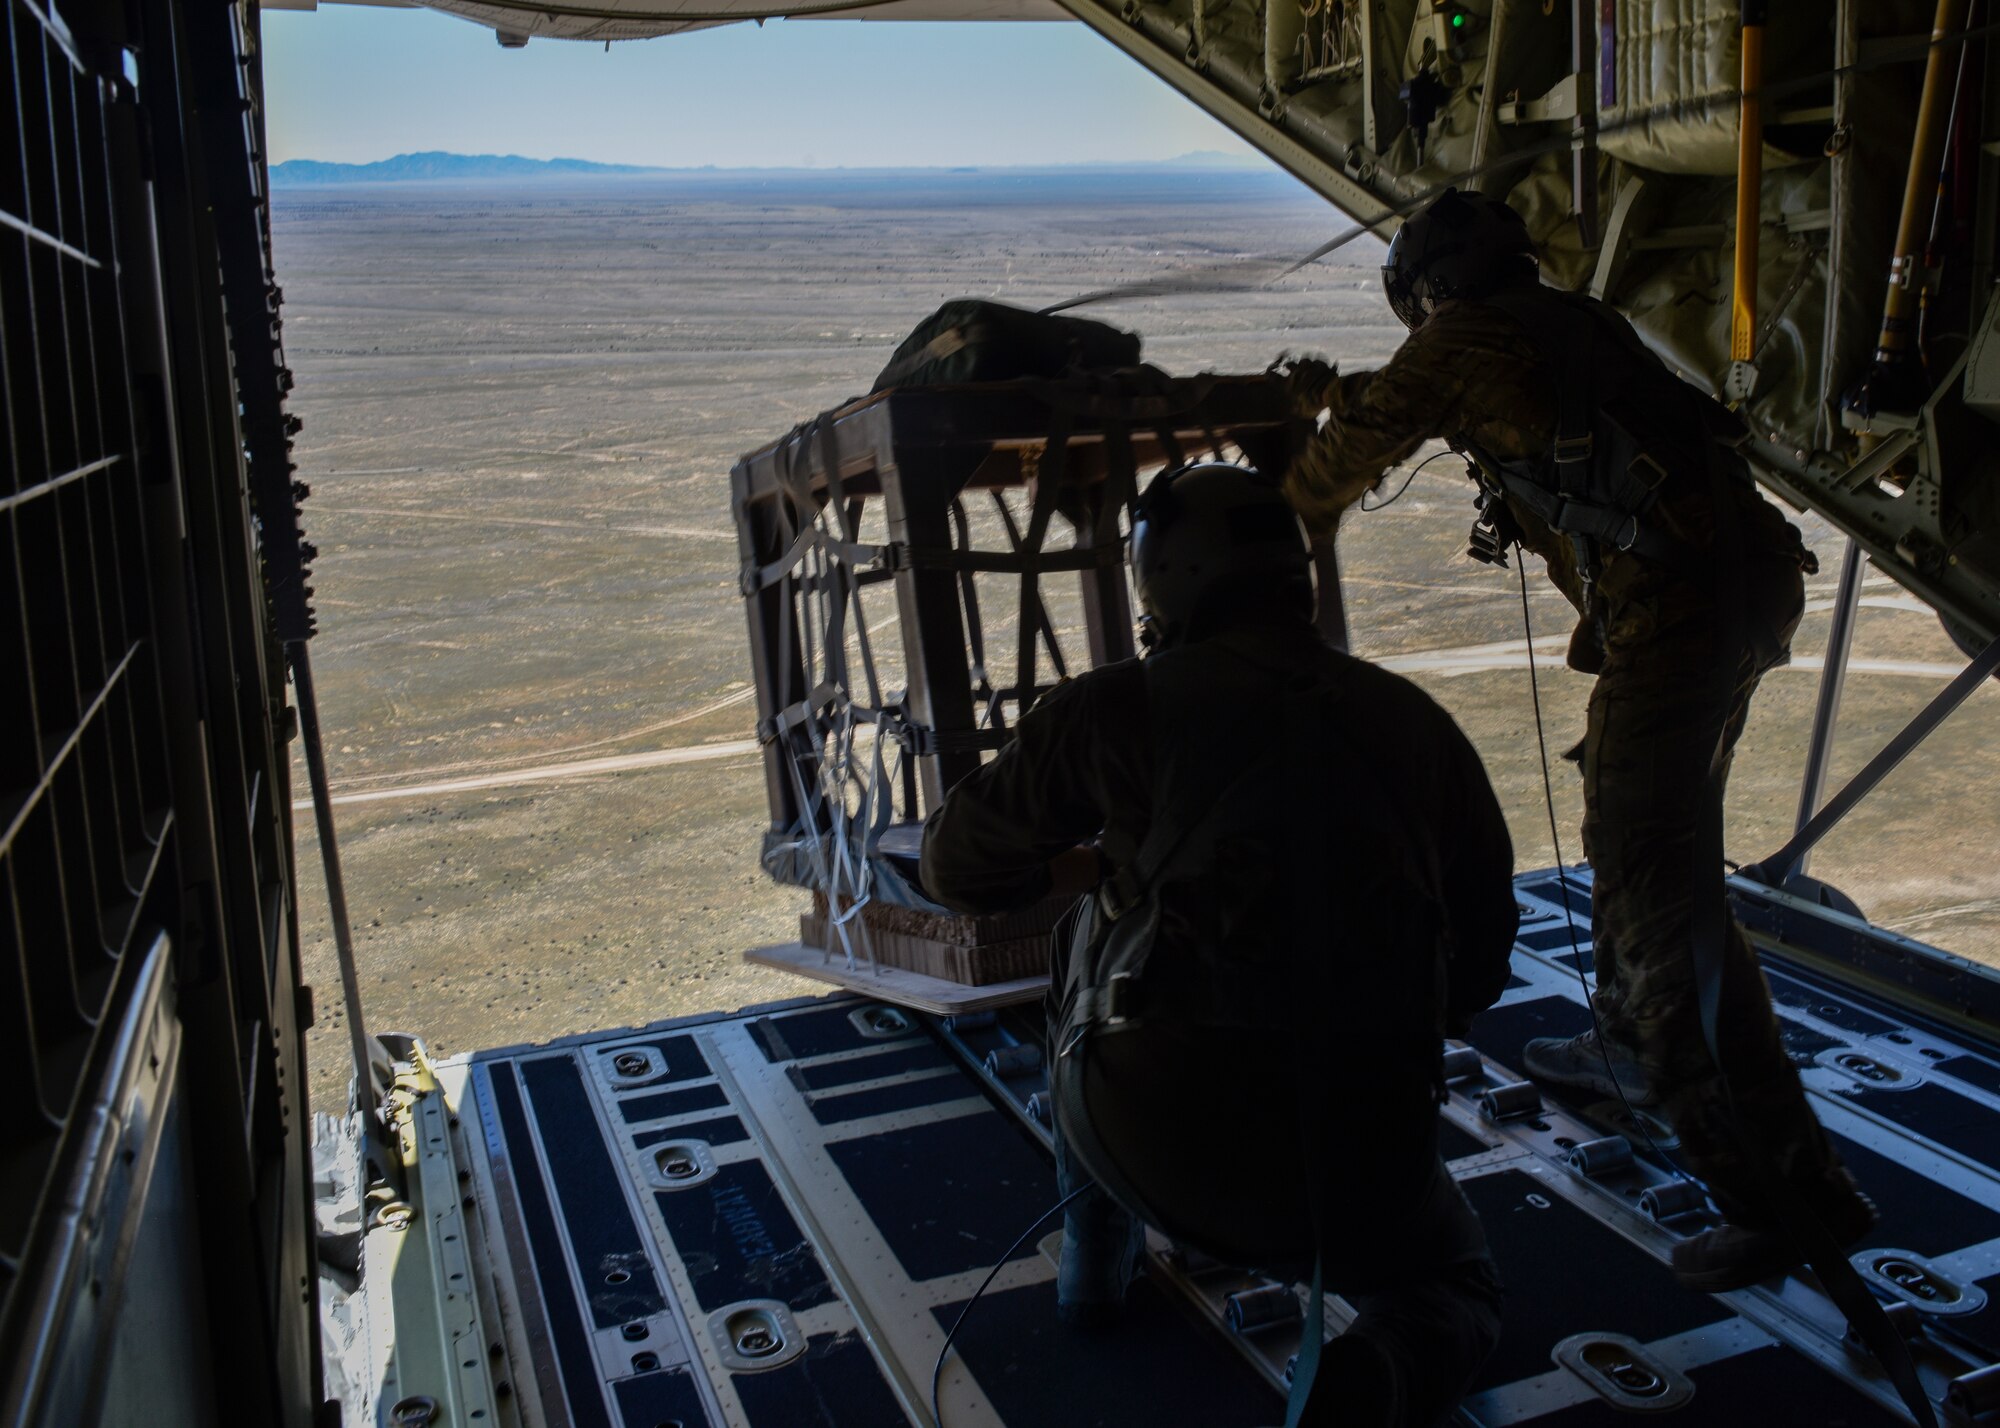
(433, 166)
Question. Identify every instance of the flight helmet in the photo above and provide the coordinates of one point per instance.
(1460, 245)
(1211, 540)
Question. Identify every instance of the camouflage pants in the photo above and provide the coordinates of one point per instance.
(1668, 708)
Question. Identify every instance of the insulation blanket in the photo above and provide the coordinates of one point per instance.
(1667, 76)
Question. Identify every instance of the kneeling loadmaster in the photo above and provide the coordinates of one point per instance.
(1246, 1042)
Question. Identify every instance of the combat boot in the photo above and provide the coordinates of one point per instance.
(1100, 1256)
(1588, 1064)
(1732, 1256)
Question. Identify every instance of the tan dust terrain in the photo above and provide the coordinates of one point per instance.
(520, 410)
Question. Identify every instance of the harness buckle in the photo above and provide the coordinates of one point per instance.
(1117, 1003)
(1571, 449)
(1106, 1006)
(1651, 476)
(1117, 895)
(1621, 540)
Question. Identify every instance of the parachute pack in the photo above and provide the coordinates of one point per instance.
(971, 340)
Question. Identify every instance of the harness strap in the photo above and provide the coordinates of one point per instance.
(1571, 454)
(1567, 336)
(1579, 518)
(1595, 486)
(1129, 887)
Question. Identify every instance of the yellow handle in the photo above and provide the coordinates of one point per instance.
(1749, 198)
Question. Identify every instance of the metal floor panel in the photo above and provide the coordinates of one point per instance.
(772, 1217)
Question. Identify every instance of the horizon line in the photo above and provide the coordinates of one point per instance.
(613, 169)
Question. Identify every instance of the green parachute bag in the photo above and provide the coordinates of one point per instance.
(970, 340)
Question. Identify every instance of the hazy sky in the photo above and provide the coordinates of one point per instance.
(355, 83)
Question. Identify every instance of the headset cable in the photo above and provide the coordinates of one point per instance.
(937, 1369)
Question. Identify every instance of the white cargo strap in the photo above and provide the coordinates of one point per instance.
(846, 802)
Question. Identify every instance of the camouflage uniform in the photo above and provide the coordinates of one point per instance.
(1662, 721)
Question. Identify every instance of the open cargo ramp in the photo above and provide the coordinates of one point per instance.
(771, 1217)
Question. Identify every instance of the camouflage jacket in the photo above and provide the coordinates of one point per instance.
(1472, 375)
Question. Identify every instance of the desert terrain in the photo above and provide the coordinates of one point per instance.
(521, 406)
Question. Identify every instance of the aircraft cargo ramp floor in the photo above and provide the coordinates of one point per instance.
(770, 1218)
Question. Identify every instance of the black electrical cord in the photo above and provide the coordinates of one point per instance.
(1383, 505)
(937, 1369)
(1632, 1115)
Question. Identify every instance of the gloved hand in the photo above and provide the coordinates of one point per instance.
(1306, 379)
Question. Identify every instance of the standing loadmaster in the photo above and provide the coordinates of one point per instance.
(1590, 453)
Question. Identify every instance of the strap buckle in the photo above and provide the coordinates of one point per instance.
(1109, 1005)
(1119, 997)
(1118, 894)
(1571, 449)
(1646, 471)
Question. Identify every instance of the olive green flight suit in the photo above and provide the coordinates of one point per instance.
(1675, 675)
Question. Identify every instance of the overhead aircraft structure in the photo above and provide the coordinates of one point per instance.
(820, 1212)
